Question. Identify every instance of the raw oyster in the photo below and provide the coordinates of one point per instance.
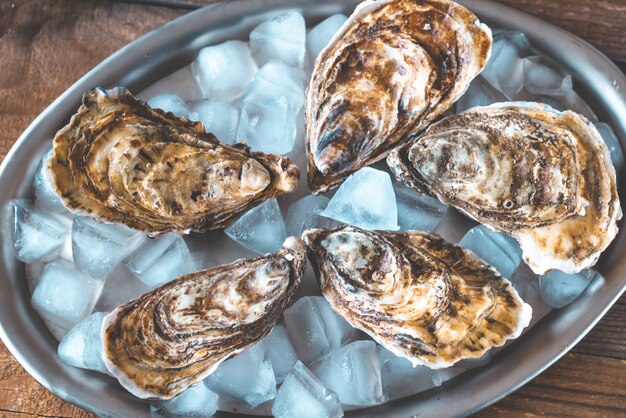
(166, 340)
(417, 295)
(543, 176)
(391, 69)
(122, 161)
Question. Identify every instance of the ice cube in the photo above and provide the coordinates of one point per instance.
(169, 103)
(353, 373)
(322, 33)
(223, 71)
(197, 401)
(247, 378)
(98, 247)
(181, 83)
(218, 118)
(400, 378)
(559, 289)
(268, 126)
(305, 213)
(82, 346)
(550, 101)
(504, 70)
(617, 155)
(45, 196)
(479, 93)
(36, 235)
(542, 78)
(64, 295)
(282, 37)
(417, 211)
(160, 260)
(440, 376)
(280, 352)
(315, 329)
(572, 101)
(276, 79)
(527, 285)
(121, 286)
(303, 395)
(261, 229)
(497, 249)
(365, 199)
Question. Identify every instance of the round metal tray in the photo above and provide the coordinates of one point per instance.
(174, 45)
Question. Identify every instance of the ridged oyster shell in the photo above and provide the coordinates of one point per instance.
(166, 340)
(419, 296)
(122, 161)
(543, 176)
(391, 69)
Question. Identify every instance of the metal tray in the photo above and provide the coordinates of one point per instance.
(174, 45)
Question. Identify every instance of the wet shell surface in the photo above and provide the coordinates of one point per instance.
(543, 176)
(391, 69)
(166, 340)
(122, 161)
(420, 297)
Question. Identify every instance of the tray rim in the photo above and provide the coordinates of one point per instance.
(604, 74)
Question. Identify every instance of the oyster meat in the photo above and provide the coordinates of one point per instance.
(422, 298)
(543, 176)
(391, 69)
(166, 340)
(122, 161)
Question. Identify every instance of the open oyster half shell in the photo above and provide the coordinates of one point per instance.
(391, 69)
(420, 297)
(543, 176)
(166, 340)
(122, 161)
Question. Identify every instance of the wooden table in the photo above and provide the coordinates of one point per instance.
(46, 45)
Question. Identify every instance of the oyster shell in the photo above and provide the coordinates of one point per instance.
(392, 68)
(166, 340)
(122, 161)
(422, 298)
(543, 176)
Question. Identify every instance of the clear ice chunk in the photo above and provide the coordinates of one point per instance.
(45, 196)
(36, 235)
(353, 373)
(274, 80)
(218, 118)
(282, 38)
(504, 70)
(611, 141)
(120, 287)
(479, 93)
(303, 395)
(365, 199)
(160, 260)
(268, 126)
(261, 229)
(99, 247)
(497, 249)
(305, 214)
(247, 378)
(64, 295)
(82, 346)
(542, 78)
(280, 352)
(223, 71)
(314, 329)
(400, 378)
(168, 102)
(559, 289)
(322, 33)
(197, 401)
(417, 211)
(181, 83)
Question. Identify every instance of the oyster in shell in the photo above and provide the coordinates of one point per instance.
(419, 296)
(543, 176)
(122, 161)
(166, 340)
(391, 69)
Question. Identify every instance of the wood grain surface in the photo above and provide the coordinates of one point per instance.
(45, 45)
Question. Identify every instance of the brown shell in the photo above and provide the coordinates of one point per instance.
(545, 177)
(122, 161)
(420, 297)
(392, 68)
(166, 340)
